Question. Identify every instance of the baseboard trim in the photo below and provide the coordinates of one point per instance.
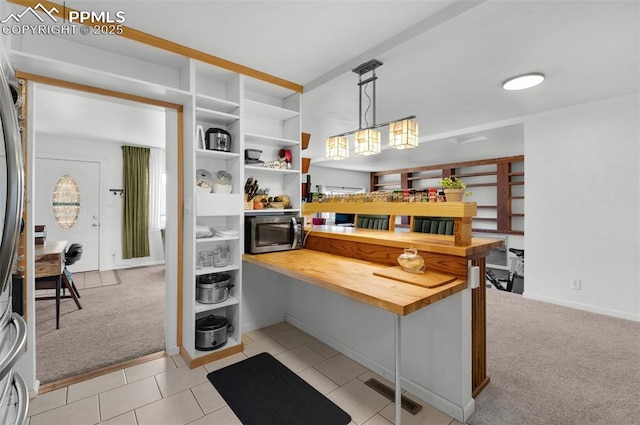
(45, 388)
(173, 350)
(461, 413)
(583, 307)
(272, 320)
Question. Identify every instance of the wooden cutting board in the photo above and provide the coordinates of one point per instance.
(427, 279)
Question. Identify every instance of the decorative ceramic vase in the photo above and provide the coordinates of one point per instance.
(454, 195)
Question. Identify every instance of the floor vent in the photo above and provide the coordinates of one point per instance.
(408, 405)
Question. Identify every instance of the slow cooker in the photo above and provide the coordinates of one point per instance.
(212, 332)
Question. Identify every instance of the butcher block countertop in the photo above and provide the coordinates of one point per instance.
(355, 279)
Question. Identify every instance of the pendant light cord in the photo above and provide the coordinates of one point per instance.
(366, 121)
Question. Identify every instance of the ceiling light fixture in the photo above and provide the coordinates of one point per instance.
(337, 148)
(524, 81)
(403, 133)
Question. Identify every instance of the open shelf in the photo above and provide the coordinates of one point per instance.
(215, 117)
(387, 184)
(253, 168)
(267, 211)
(231, 342)
(265, 110)
(218, 239)
(478, 174)
(209, 270)
(65, 71)
(269, 140)
(212, 154)
(200, 307)
(216, 104)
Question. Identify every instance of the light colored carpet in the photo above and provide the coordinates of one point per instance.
(555, 365)
(116, 323)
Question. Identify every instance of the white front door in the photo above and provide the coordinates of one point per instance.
(86, 229)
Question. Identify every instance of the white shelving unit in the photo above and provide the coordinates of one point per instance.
(257, 115)
(272, 117)
(215, 104)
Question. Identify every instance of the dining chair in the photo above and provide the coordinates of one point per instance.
(62, 282)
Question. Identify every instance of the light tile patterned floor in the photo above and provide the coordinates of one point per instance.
(166, 392)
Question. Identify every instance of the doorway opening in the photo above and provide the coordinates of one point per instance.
(79, 134)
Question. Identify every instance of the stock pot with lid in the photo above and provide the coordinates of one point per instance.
(213, 288)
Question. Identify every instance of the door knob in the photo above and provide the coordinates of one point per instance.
(94, 225)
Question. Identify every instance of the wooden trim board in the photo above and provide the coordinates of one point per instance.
(95, 90)
(45, 388)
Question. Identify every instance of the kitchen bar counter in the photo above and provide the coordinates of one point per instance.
(342, 260)
(440, 254)
(355, 279)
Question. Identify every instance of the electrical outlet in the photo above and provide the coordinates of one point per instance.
(576, 284)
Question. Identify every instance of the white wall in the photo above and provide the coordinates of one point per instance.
(436, 340)
(582, 207)
(333, 177)
(110, 157)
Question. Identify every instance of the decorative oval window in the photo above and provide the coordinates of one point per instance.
(66, 201)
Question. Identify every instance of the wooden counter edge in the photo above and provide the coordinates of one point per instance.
(440, 292)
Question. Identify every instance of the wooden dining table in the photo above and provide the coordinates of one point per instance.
(49, 259)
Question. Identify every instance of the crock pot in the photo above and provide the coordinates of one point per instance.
(218, 139)
(213, 288)
(212, 332)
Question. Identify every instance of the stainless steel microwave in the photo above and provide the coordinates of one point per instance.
(270, 233)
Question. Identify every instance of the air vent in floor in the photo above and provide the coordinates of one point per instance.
(408, 405)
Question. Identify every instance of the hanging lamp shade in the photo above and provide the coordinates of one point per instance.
(337, 148)
(403, 134)
(367, 142)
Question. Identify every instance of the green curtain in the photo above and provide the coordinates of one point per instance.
(135, 212)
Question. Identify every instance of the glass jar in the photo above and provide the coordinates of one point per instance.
(221, 257)
(207, 258)
(222, 182)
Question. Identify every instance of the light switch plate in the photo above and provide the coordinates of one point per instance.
(474, 277)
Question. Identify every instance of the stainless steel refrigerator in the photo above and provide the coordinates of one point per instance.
(14, 400)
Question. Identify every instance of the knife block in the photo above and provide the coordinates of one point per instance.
(248, 204)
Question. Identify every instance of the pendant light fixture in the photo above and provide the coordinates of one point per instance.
(403, 133)
(337, 148)
(367, 142)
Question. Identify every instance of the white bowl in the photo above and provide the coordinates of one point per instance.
(200, 189)
(221, 188)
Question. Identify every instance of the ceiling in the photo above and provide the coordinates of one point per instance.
(444, 61)
(93, 117)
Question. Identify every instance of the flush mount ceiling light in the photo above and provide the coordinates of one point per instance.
(403, 133)
(524, 81)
